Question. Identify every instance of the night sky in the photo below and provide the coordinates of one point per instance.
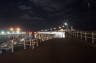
(40, 14)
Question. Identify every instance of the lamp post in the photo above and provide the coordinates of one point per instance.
(66, 24)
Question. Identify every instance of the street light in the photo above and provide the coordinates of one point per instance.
(8, 32)
(11, 29)
(66, 24)
(2, 32)
(18, 29)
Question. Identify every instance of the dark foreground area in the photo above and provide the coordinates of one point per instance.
(54, 51)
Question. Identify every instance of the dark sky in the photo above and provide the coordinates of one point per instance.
(38, 14)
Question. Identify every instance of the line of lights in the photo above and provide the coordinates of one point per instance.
(15, 29)
(65, 25)
(8, 32)
(12, 31)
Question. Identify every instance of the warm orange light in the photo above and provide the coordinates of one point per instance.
(35, 32)
(18, 29)
(30, 33)
(11, 29)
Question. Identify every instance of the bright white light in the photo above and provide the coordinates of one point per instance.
(60, 35)
(59, 27)
(57, 34)
(17, 32)
(8, 32)
(66, 24)
(2, 32)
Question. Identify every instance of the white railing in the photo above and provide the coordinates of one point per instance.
(84, 35)
(30, 42)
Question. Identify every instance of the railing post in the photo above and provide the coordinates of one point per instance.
(33, 44)
(85, 36)
(30, 42)
(37, 43)
(12, 45)
(92, 37)
(81, 35)
(74, 34)
(24, 44)
(77, 34)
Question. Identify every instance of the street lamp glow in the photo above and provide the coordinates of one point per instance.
(11, 29)
(2, 32)
(18, 29)
(8, 32)
(66, 24)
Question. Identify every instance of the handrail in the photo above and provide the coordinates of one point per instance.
(23, 41)
(84, 35)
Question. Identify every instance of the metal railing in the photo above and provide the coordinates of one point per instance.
(87, 36)
(23, 41)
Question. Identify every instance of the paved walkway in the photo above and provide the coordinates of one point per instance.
(54, 51)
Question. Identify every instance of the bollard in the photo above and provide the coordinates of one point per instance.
(12, 45)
